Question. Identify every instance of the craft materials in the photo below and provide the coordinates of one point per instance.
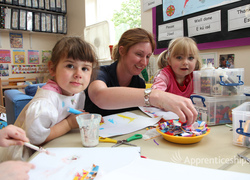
(228, 125)
(156, 142)
(120, 142)
(119, 124)
(74, 111)
(89, 129)
(87, 175)
(244, 157)
(39, 149)
(175, 128)
(92, 174)
(150, 133)
(156, 112)
(70, 161)
(134, 137)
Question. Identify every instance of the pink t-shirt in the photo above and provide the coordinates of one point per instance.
(53, 86)
(166, 81)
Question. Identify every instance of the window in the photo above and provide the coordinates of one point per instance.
(121, 14)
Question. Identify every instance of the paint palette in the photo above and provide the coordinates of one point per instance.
(180, 139)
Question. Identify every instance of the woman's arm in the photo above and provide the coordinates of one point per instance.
(124, 97)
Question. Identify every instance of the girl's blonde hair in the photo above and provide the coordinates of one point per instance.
(130, 38)
(177, 46)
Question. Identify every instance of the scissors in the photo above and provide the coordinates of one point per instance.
(120, 142)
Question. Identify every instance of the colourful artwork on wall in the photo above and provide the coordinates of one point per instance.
(174, 9)
(28, 69)
(33, 56)
(46, 55)
(19, 56)
(16, 40)
(5, 56)
(4, 69)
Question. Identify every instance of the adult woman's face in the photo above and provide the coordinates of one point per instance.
(137, 57)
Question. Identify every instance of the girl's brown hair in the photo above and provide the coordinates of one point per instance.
(180, 45)
(130, 38)
(75, 48)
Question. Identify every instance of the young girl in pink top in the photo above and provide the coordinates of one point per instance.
(177, 64)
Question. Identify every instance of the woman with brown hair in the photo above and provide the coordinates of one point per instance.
(119, 88)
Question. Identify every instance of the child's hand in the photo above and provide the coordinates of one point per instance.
(15, 170)
(72, 120)
(12, 135)
(102, 120)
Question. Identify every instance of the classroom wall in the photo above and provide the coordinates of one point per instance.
(31, 41)
(242, 53)
(46, 41)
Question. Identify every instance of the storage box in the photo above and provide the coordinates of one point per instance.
(216, 110)
(219, 82)
(241, 125)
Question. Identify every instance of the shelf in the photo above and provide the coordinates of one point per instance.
(14, 86)
(32, 20)
(30, 32)
(32, 9)
(4, 87)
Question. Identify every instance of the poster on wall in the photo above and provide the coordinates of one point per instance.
(28, 69)
(16, 40)
(4, 69)
(210, 57)
(174, 9)
(46, 55)
(227, 61)
(33, 57)
(19, 56)
(5, 56)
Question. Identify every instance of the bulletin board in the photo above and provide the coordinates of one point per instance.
(221, 39)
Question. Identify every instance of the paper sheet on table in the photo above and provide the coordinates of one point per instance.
(156, 112)
(124, 123)
(69, 161)
(147, 169)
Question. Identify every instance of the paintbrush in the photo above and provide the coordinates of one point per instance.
(39, 149)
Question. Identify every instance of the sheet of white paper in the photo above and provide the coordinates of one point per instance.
(124, 123)
(62, 166)
(146, 169)
(156, 112)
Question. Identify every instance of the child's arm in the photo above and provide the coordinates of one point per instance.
(161, 81)
(62, 127)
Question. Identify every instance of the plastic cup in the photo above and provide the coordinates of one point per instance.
(89, 129)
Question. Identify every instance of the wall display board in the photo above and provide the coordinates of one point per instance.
(212, 23)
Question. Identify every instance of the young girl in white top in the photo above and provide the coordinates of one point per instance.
(46, 117)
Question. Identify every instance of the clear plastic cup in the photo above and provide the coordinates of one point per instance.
(89, 129)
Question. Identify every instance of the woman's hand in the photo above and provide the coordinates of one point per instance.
(182, 106)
